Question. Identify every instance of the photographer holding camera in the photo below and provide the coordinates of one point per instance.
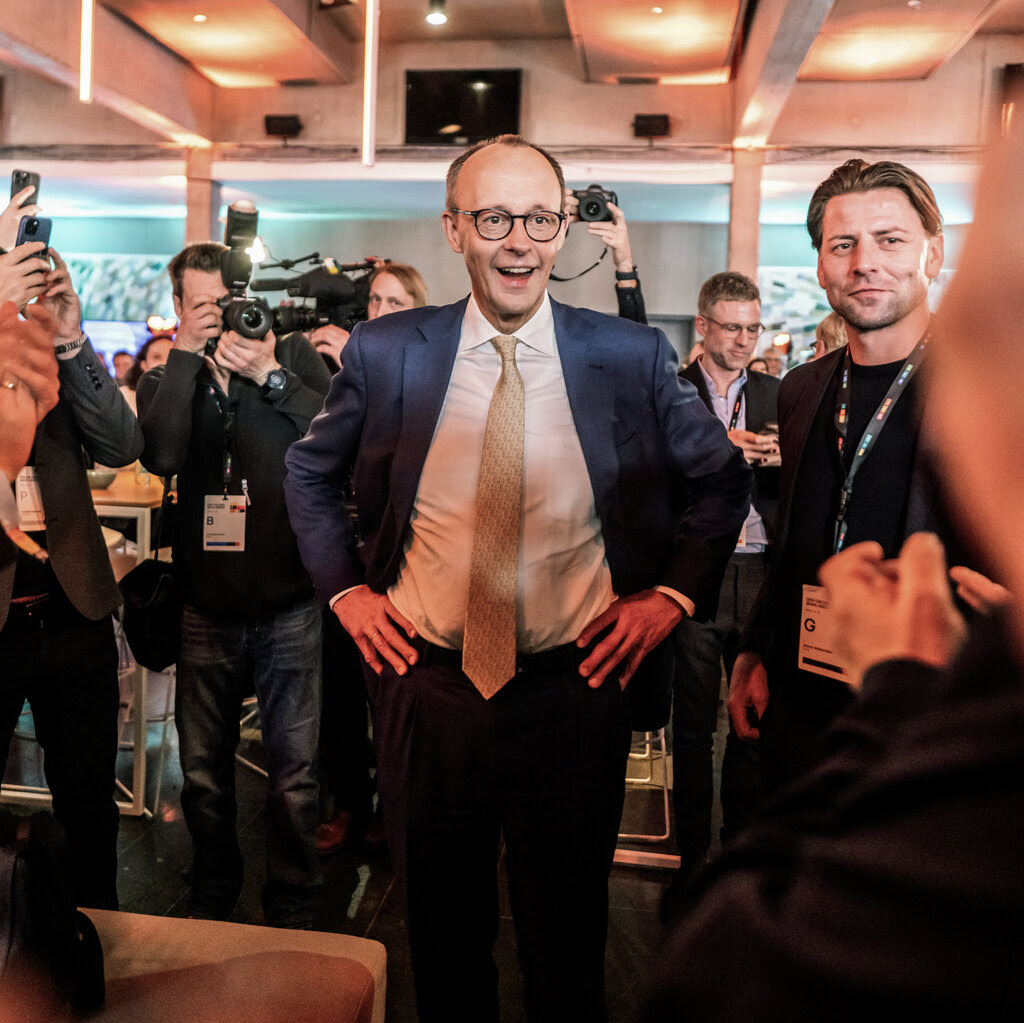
(596, 207)
(221, 414)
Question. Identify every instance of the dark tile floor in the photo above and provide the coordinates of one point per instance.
(359, 896)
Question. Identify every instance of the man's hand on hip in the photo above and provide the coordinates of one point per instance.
(371, 619)
(639, 623)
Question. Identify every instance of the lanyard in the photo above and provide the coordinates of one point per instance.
(227, 419)
(736, 410)
(871, 432)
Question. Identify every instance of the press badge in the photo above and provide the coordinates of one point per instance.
(30, 501)
(224, 523)
(815, 653)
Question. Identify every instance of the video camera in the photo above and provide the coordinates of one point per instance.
(594, 202)
(250, 317)
(340, 292)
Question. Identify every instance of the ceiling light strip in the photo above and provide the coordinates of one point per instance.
(370, 83)
(85, 55)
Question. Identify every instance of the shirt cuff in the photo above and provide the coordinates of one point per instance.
(337, 596)
(685, 603)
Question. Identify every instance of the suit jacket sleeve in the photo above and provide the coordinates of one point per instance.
(107, 426)
(713, 481)
(319, 469)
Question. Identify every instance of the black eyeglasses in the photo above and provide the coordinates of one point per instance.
(493, 225)
(733, 329)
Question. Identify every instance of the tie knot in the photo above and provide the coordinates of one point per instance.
(506, 346)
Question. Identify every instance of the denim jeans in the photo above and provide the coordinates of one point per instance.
(222, 661)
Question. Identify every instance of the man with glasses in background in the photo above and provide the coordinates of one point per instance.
(540, 501)
(746, 402)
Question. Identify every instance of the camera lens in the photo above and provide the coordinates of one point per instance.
(592, 209)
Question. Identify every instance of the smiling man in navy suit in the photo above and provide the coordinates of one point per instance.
(540, 501)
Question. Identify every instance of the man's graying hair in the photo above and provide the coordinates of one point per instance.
(515, 141)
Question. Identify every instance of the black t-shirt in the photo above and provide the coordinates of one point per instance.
(877, 508)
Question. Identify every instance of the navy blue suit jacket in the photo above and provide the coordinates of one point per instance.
(671, 491)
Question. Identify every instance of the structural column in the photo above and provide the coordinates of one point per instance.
(745, 211)
(202, 197)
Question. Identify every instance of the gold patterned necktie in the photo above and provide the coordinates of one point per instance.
(489, 644)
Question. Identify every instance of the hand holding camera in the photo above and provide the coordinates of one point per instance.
(201, 322)
(248, 357)
(596, 207)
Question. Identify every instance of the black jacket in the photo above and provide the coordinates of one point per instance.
(184, 416)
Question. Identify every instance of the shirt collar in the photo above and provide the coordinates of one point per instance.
(538, 332)
(711, 386)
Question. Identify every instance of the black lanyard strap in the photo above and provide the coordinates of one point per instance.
(736, 409)
(871, 432)
(227, 421)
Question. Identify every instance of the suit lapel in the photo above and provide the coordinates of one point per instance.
(426, 369)
(587, 366)
(696, 377)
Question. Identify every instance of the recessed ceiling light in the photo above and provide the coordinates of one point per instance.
(436, 14)
(199, 18)
(657, 10)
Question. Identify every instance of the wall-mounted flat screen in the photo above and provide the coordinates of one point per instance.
(458, 108)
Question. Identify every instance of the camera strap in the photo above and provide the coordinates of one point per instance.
(597, 262)
(873, 430)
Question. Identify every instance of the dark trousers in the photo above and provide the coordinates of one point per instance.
(66, 666)
(703, 649)
(542, 763)
(796, 723)
(346, 754)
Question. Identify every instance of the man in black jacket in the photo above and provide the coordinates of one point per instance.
(854, 465)
(222, 423)
(729, 320)
(886, 882)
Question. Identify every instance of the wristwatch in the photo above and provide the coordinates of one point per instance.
(274, 384)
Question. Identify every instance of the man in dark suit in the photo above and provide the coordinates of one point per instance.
(56, 637)
(540, 502)
(746, 402)
(852, 465)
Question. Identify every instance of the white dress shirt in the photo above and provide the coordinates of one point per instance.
(564, 581)
(753, 536)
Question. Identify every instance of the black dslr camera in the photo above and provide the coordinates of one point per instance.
(594, 202)
(249, 317)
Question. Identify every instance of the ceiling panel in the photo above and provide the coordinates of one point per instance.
(235, 45)
(882, 40)
(622, 40)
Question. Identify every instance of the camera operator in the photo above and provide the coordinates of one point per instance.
(393, 286)
(615, 235)
(223, 422)
(58, 592)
